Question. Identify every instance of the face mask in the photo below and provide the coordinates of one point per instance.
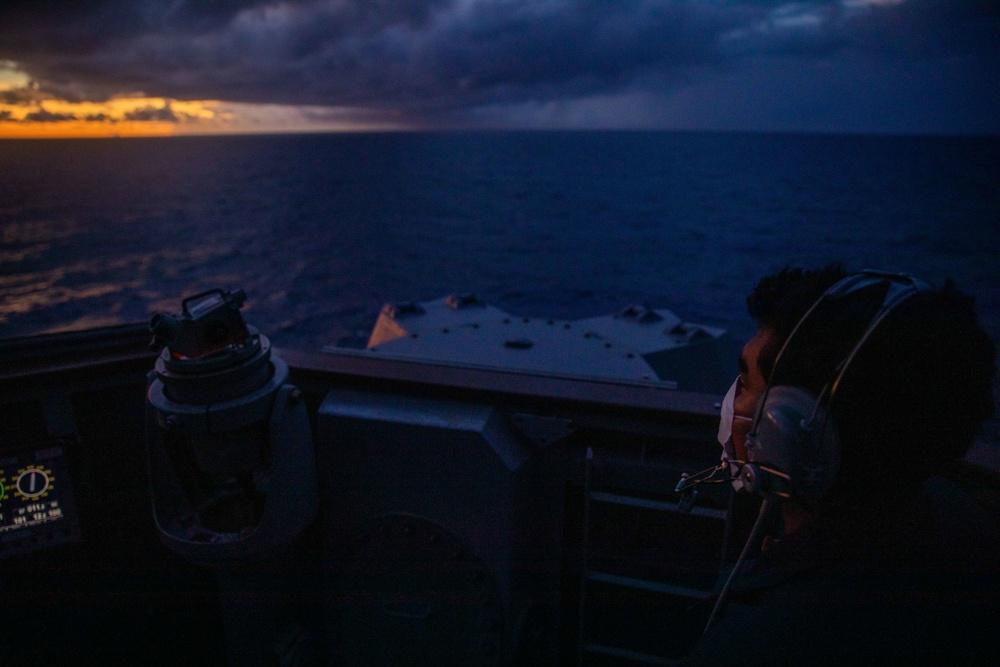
(726, 414)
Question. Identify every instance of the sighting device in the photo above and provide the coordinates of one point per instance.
(231, 463)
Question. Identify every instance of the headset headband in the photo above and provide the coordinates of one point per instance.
(899, 288)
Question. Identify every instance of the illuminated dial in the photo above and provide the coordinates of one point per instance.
(3, 489)
(33, 482)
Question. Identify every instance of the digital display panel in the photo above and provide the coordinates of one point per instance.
(36, 500)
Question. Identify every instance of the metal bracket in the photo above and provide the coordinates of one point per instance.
(543, 431)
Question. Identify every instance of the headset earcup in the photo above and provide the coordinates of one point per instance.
(795, 437)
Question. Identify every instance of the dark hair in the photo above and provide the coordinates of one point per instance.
(779, 301)
(918, 392)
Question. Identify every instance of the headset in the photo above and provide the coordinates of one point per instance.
(793, 448)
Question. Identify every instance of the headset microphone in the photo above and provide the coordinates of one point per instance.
(687, 483)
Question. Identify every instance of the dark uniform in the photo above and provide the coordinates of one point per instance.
(888, 578)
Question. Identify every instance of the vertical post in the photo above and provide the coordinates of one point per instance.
(584, 556)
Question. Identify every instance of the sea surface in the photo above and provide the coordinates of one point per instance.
(322, 230)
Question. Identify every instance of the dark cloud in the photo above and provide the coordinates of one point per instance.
(5, 115)
(43, 116)
(917, 29)
(151, 113)
(550, 50)
(18, 96)
(428, 57)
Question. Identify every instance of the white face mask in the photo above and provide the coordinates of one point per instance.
(726, 414)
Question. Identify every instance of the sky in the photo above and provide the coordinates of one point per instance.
(176, 67)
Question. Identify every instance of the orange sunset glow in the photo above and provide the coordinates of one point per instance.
(158, 117)
(123, 117)
(29, 113)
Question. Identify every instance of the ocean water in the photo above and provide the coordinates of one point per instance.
(321, 230)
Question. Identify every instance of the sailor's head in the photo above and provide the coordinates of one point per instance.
(776, 304)
(913, 395)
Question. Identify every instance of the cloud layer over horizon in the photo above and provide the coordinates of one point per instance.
(832, 65)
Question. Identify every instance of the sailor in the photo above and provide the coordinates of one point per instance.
(776, 304)
(874, 542)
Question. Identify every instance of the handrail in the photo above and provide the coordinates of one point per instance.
(35, 358)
